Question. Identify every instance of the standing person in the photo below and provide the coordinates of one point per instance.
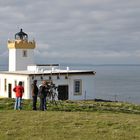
(43, 90)
(19, 90)
(34, 94)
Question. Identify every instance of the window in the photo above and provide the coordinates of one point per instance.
(24, 53)
(15, 82)
(5, 84)
(77, 87)
(0, 84)
(23, 83)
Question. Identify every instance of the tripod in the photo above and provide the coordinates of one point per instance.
(52, 96)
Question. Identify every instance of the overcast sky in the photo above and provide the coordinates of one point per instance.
(74, 31)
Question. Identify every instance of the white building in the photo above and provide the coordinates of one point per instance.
(71, 84)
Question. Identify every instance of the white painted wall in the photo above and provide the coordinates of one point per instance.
(12, 59)
(88, 85)
(11, 80)
(17, 61)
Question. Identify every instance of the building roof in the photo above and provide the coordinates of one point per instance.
(45, 65)
(55, 72)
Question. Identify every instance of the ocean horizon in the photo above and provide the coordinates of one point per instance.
(115, 82)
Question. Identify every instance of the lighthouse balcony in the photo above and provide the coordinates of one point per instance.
(21, 44)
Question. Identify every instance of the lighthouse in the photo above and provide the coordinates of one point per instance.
(71, 84)
(21, 52)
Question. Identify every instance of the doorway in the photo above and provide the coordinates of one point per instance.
(10, 90)
(63, 92)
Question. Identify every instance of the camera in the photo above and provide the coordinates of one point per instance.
(51, 86)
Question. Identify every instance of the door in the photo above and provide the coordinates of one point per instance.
(10, 90)
(63, 92)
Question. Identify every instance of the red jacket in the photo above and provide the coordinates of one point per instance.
(19, 91)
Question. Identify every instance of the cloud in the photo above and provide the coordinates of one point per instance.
(82, 29)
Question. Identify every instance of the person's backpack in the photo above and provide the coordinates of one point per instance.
(41, 92)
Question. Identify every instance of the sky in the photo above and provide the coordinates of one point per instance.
(74, 31)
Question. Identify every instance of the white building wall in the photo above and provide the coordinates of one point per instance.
(17, 61)
(88, 85)
(28, 88)
(10, 79)
(12, 59)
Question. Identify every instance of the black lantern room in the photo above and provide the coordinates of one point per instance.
(21, 35)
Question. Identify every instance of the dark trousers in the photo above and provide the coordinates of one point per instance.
(43, 104)
(34, 102)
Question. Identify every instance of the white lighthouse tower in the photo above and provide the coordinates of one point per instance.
(21, 52)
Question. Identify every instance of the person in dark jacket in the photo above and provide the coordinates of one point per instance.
(34, 94)
(43, 91)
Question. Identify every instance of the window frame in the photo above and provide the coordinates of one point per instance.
(77, 87)
(24, 53)
(5, 84)
(15, 82)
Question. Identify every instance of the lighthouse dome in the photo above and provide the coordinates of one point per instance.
(21, 35)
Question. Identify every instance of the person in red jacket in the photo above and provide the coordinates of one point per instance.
(19, 90)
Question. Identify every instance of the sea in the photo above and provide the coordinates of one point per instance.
(112, 82)
(115, 82)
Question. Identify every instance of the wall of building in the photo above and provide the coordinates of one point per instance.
(88, 85)
(19, 62)
(12, 59)
(12, 80)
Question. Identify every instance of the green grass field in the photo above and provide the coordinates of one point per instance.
(79, 120)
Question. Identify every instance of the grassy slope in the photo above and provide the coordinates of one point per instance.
(94, 120)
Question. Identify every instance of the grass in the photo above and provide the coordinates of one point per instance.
(70, 120)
